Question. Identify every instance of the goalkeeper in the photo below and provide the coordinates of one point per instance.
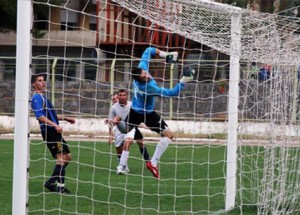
(145, 90)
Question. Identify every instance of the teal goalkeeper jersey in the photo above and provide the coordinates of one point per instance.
(144, 94)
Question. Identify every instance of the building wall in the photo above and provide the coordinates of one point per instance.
(55, 19)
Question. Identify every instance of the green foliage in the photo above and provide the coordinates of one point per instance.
(38, 33)
(243, 3)
(8, 11)
(238, 3)
(42, 10)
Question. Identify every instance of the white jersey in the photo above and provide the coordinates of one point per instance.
(121, 111)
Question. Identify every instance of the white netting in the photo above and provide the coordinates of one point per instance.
(265, 37)
(88, 49)
(269, 169)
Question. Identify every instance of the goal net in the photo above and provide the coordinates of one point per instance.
(230, 125)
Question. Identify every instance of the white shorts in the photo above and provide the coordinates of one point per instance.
(131, 133)
(119, 138)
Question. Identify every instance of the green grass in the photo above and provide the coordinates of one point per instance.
(6, 172)
(194, 185)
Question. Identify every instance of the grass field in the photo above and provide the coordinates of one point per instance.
(194, 185)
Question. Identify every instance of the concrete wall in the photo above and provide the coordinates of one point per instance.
(7, 97)
(92, 99)
(198, 101)
(192, 130)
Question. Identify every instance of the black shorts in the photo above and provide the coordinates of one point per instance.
(152, 120)
(55, 142)
(138, 135)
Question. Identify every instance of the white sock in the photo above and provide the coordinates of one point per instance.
(60, 185)
(124, 158)
(160, 149)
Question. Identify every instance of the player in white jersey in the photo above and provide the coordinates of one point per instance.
(112, 129)
(121, 110)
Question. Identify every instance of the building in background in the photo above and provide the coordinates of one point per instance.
(85, 30)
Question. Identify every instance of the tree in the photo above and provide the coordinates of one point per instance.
(273, 6)
(284, 5)
(238, 3)
(268, 6)
(8, 11)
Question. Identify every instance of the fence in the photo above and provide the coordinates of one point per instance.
(83, 87)
(90, 83)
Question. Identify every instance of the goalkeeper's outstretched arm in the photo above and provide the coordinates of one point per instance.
(171, 57)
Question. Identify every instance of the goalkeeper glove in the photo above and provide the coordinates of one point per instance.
(171, 57)
(187, 75)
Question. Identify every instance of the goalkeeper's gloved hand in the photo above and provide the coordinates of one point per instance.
(171, 57)
(187, 75)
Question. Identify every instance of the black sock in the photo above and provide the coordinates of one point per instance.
(56, 173)
(145, 153)
(66, 164)
(61, 177)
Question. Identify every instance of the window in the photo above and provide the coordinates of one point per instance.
(93, 23)
(68, 20)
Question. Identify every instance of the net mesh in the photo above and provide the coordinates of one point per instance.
(88, 48)
(265, 37)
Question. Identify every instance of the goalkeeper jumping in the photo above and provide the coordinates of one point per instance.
(145, 90)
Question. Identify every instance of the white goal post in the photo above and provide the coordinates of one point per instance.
(233, 102)
(21, 133)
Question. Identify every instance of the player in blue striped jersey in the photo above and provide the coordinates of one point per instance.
(52, 133)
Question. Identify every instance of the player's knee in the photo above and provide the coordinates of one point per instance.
(60, 161)
(140, 143)
(68, 157)
(128, 141)
(169, 134)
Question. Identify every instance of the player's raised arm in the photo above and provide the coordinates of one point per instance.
(146, 57)
(150, 52)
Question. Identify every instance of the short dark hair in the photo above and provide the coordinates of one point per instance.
(136, 74)
(35, 76)
(115, 93)
(123, 91)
